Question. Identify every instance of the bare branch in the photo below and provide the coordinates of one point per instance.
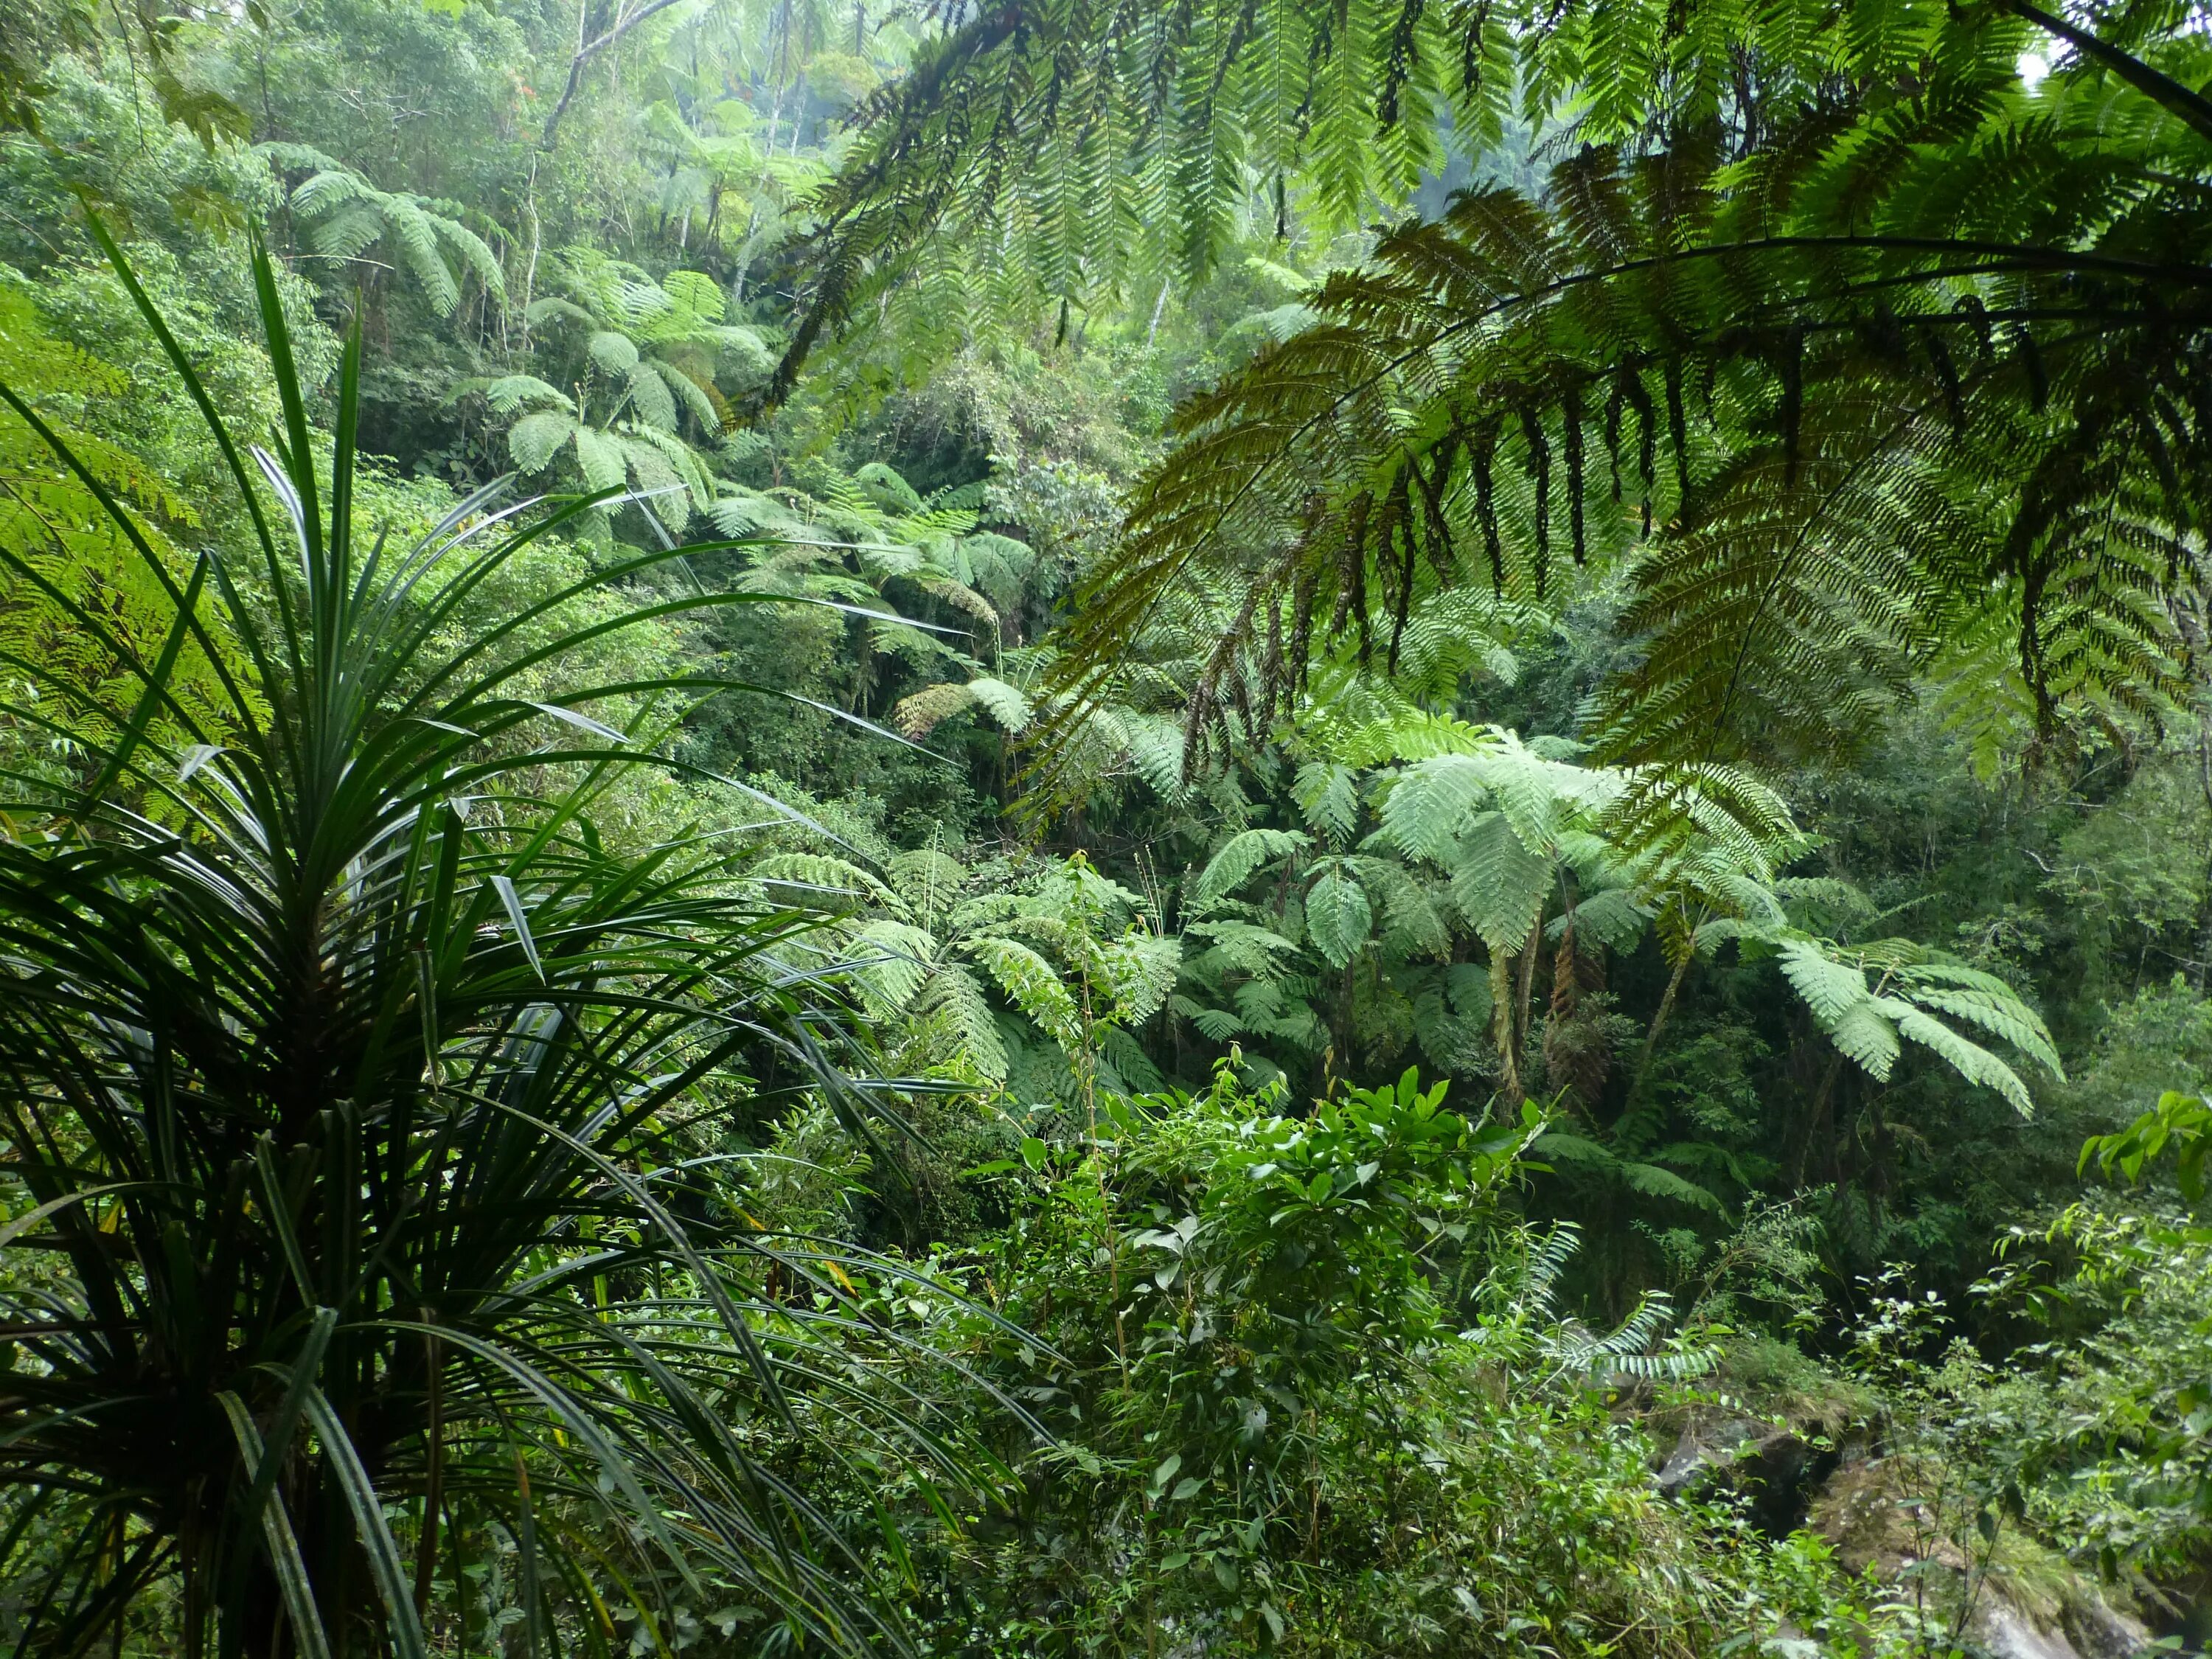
(582, 60)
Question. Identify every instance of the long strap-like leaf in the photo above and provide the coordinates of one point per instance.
(283, 1543)
(404, 1628)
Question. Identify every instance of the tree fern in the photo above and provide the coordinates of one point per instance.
(345, 216)
(1869, 1022)
(1466, 849)
(646, 359)
(930, 943)
(1837, 390)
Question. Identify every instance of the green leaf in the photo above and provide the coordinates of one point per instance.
(1866, 1033)
(605, 465)
(1326, 795)
(402, 1626)
(1831, 988)
(892, 961)
(510, 392)
(535, 438)
(18, 1225)
(1970, 1059)
(615, 354)
(1338, 917)
(1005, 704)
(1240, 855)
(511, 902)
(1035, 985)
(1499, 884)
(650, 399)
(284, 1544)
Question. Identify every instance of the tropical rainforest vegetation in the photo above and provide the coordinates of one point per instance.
(1046, 828)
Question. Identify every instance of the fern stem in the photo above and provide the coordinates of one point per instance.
(1501, 1025)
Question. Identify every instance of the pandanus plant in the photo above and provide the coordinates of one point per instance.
(357, 1252)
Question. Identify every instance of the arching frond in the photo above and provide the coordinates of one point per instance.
(1833, 397)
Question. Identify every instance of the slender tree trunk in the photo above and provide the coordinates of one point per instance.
(1501, 1027)
(2204, 952)
(530, 270)
(1572, 1062)
(1658, 1025)
(1524, 992)
(587, 50)
(1796, 1154)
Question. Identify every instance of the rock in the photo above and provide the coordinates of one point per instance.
(2045, 1613)
(1702, 1449)
(2009, 1633)
(2100, 1631)
(2086, 1628)
(1771, 1466)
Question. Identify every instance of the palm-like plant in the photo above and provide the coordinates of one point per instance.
(1283, 918)
(1520, 826)
(349, 1094)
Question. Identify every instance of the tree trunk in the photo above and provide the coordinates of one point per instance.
(1800, 1147)
(1501, 1028)
(1658, 1025)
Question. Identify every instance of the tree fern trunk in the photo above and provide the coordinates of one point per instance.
(1501, 1026)
(1524, 993)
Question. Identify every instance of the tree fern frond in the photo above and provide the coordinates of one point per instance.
(1238, 857)
(1796, 563)
(534, 440)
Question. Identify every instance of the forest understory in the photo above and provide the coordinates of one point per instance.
(1278, 827)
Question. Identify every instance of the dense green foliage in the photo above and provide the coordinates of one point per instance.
(1329, 827)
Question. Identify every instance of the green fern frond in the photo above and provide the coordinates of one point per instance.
(1868, 1024)
(1238, 858)
(1999, 416)
(1338, 916)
